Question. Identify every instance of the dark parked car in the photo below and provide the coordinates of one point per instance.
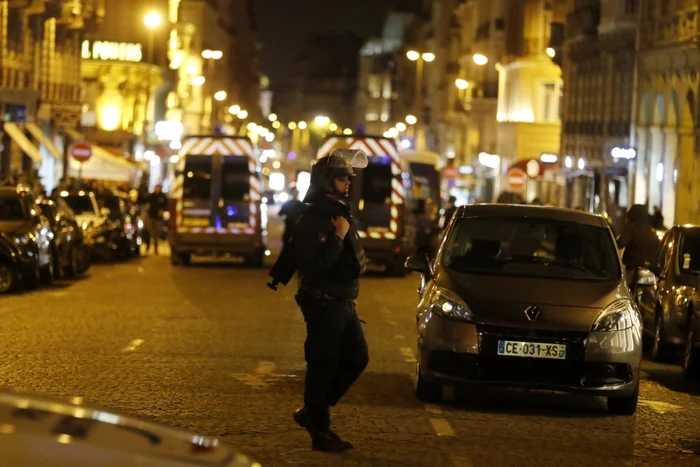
(529, 297)
(10, 264)
(124, 220)
(22, 221)
(72, 258)
(666, 302)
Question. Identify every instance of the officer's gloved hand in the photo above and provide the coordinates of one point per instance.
(342, 226)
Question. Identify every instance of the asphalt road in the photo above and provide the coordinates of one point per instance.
(211, 349)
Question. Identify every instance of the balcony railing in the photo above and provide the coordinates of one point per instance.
(675, 29)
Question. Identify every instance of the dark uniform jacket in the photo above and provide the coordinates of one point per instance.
(638, 238)
(328, 265)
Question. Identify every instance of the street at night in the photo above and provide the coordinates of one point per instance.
(211, 349)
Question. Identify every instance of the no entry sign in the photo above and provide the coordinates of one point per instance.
(81, 151)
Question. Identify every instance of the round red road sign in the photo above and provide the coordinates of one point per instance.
(81, 151)
(515, 179)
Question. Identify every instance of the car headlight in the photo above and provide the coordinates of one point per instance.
(683, 295)
(448, 304)
(617, 316)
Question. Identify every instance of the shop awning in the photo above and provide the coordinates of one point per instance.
(22, 141)
(41, 137)
(101, 153)
(103, 165)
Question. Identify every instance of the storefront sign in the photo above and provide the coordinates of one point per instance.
(623, 153)
(117, 51)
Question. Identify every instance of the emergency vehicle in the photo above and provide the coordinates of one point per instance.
(381, 199)
(426, 177)
(215, 206)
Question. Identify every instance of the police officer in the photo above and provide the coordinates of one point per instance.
(330, 261)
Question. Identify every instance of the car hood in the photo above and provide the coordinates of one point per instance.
(14, 228)
(502, 300)
(43, 431)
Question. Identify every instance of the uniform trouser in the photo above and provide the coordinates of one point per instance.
(336, 355)
(154, 225)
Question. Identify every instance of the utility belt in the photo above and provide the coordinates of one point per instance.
(307, 295)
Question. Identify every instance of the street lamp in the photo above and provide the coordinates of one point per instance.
(292, 126)
(419, 58)
(333, 127)
(243, 114)
(272, 117)
(276, 125)
(411, 120)
(152, 21)
(428, 56)
(322, 120)
(302, 125)
(401, 126)
(412, 55)
(234, 109)
(198, 80)
(480, 59)
(212, 54)
(220, 96)
(461, 84)
(551, 52)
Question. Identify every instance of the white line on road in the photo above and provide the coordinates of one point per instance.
(441, 427)
(408, 355)
(433, 409)
(133, 345)
(265, 368)
(661, 407)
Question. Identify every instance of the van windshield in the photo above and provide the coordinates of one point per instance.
(235, 178)
(197, 183)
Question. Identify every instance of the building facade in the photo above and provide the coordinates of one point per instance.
(667, 168)
(599, 64)
(40, 82)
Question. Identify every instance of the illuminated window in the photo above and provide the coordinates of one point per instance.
(386, 89)
(374, 86)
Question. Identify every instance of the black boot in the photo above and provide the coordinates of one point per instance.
(329, 442)
(301, 417)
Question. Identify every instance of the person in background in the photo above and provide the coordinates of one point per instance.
(156, 205)
(639, 240)
(448, 212)
(291, 211)
(657, 219)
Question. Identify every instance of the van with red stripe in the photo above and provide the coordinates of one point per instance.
(216, 200)
(381, 199)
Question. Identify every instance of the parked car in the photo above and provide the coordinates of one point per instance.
(23, 222)
(10, 265)
(49, 431)
(529, 297)
(124, 219)
(72, 259)
(102, 233)
(691, 349)
(666, 301)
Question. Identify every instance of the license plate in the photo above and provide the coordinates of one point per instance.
(194, 222)
(532, 350)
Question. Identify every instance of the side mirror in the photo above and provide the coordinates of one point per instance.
(645, 277)
(418, 264)
(105, 212)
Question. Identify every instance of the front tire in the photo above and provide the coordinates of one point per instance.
(425, 390)
(691, 357)
(624, 405)
(660, 349)
(7, 278)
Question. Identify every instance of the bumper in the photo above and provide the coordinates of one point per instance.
(214, 244)
(387, 252)
(596, 363)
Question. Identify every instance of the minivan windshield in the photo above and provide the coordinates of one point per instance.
(532, 248)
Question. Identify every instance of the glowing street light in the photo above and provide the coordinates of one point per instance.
(480, 59)
(401, 126)
(234, 109)
(212, 54)
(220, 96)
(333, 127)
(276, 124)
(322, 120)
(411, 120)
(428, 56)
(153, 20)
(302, 125)
(292, 126)
(272, 117)
(198, 80)
(347, 131)
(252, 126)
(412, 55)
(243, 114)
(551, 52)
(270, 137)
(461, 84)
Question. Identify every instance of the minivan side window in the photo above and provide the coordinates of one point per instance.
(197, 177)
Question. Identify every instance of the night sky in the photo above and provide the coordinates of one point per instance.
(284, 24)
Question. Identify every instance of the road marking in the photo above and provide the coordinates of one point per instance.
(399, 337)
(408, 355)
(461, 462)
(133, 345)
(661, 407)
(441, 427)
(76, 400)
(433, 409)
(58, 294)
(250, 380)
(265, 368)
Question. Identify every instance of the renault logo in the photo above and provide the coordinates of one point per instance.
(533, 313)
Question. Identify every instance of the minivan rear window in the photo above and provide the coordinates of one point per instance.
(197, 174)
(376, 180)
(235, 177)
